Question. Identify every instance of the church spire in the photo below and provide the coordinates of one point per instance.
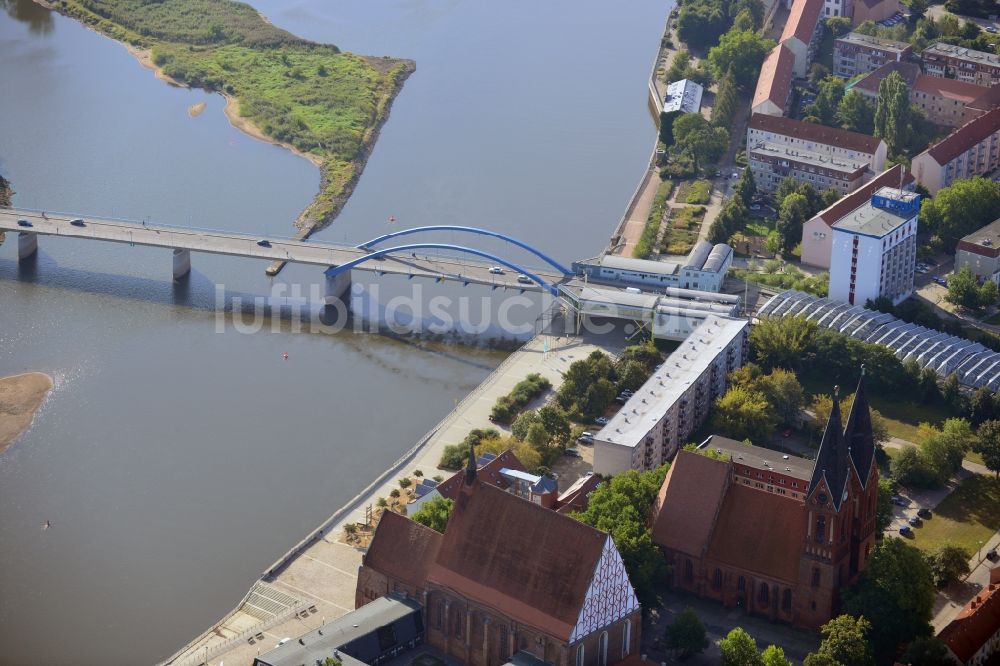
(833, 458)
(858, 432)
(470, 469)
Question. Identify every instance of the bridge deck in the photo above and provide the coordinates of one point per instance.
(281, 249)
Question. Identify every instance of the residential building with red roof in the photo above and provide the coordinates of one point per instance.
(825, 157)
(771, 533)
(974, 635)
(802, 33)
(774, 85)
(507, 576)
(971, 150)
(817, 232)
(868, 85)
(945, 101)
(872, 10)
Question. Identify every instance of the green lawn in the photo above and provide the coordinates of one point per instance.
(759, 227)
(966, 518)
(696, 192)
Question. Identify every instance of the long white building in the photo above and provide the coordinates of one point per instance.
(874, 248)
(663, 413)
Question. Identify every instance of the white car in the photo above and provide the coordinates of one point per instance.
(523, 279)
(496, 270)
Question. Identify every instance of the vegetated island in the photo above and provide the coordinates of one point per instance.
(314, 99)
(20, 398)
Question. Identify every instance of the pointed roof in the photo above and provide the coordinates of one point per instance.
(833, 460)
(688, 502)
(858, 434)
(402, 548)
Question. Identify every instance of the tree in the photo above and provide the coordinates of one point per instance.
(774, 656)
(793, 214)
(695, 136)
(839, 25)
(667, 127)
(537, 436)
(856, 113)
(743, 52)
(785, 394)
(898, 607)
(700, 23)
(892, 113)
(949, 564)
(743, 414)
(913, 470)
(6, 193)
(961, 208)
(744, 21)
(825, 106)
(883, 504)
(556, 424)
(686, 634)
(963, 289)
(746, 187)
(739, 649)
(950, 392)
(621, 507)
(782, 343)
(787, 186)
(845, 640)
(927, 651)
(988, 445)
(524, 420)
(435, 513)
(726, 101)
(772, 242)
(943, 450)
(817, 659)
(983, 406)
(679, 66)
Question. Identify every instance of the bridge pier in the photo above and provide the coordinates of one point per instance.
(182, 263)
(27, 244)
(336, 287)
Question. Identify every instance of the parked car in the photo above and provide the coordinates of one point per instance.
(991, 555)
(754, 206)
(601, 420)
(587, 435)
(914, 521)
(523, 279)
(906, 530)
(991, 29)
(77, 222)
(898, 501)
(24, 223)
(572, 453)
(496, 270)
(924, 513)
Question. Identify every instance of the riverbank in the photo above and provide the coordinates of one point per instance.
(20, 398)
(323, 104)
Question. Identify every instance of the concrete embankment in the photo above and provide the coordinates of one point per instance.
(20, 398)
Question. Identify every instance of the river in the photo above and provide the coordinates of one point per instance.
(174, 461)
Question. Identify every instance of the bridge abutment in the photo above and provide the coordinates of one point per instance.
(182, 263)
(27, 244)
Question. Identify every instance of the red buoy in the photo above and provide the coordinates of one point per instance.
(285, 356)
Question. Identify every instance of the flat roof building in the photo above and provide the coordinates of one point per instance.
(874, 248)
(674, 401)
(950, 61)
(980, 251)
(704, 269)
(684, 96)
(856, 53)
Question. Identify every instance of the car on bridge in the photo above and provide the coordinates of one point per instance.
(24, 223)
(264, 243)
(77, 222)
(523, 279)
(496, 270)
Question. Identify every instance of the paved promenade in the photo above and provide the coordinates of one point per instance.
(317, 584)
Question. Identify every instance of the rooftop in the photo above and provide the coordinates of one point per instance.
(961, 53)
(949, 88)
(858, 197)
(964, 137)
(867, 40)
(870, 83)
(871, 219)
(841, 164)
(684, 95)
(988, 236)
(760, 458)
(666, 386)
(638, 265)
(802, 20)
(320, 643)
(976, 623)
(775, 80)
(831, 136)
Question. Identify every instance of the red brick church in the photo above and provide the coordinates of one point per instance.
(775, 534)
(508, 580)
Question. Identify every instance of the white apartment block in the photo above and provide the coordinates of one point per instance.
(875, 248)
(971, 150)
(855, 53)
(663, 413)
(826, 157)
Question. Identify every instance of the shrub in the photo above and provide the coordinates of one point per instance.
(394, 492)
(405, 482)
(508, 406)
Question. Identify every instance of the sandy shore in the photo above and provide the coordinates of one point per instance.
(20, 398)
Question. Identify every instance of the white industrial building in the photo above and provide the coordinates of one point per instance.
(874, 249)
(704, 269)
(973, 364)
(684, 96)
(674, 401)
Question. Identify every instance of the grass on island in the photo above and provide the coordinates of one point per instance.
(694, 192)
(647, 241)
(310, 96)
(967, 517)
